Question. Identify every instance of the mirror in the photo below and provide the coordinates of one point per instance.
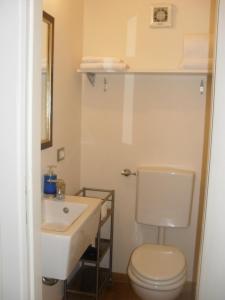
(47, 80)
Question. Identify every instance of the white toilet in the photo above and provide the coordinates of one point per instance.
(164, 198)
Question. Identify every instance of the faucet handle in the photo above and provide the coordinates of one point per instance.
(60, 189)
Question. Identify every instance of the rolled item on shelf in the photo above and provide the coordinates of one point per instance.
(107, 66)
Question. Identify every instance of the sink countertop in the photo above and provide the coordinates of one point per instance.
(61, 250)
(93, 204)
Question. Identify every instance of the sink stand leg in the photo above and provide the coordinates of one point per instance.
(65, 290)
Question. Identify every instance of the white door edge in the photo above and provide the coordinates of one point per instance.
(33, 154)
(20, 257)
(212, 264)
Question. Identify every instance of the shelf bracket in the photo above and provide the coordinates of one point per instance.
(92, 78)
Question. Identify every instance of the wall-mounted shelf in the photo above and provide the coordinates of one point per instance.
(91, 74)
(151, 71)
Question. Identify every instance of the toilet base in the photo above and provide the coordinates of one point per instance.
(146, 294)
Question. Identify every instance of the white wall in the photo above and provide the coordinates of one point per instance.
(142, 120)
(66, 90)
(107, 24)
(66, 100)
(162, 125)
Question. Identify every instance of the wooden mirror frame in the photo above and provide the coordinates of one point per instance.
(47, 84)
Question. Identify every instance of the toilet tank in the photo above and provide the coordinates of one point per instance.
(164, 196)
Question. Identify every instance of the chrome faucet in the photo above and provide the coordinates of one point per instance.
(60, 188)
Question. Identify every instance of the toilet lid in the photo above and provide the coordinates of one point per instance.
(158, 262)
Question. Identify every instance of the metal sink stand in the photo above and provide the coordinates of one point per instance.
(91, 278)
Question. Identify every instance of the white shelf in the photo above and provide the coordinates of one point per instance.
(91, 74)
(146, 72)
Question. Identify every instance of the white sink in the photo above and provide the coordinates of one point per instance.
(69, 226)
(59, 215)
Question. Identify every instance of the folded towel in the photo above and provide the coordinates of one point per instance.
(93, 59)
(107, 66)
(194, 64)
(196, 46)
(196, 54)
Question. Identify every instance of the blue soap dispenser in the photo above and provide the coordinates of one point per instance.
(50, 182)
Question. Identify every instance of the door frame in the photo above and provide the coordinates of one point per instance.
(33, 145)
(210, 283)
(20, 251)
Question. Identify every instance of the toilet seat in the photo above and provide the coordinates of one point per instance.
(158, 263)
(156, 286)
(147, 281)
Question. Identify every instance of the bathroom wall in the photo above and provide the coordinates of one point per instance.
(143, 119)
(66, 90)
(122, 28)
(67, 101)
(162, 124)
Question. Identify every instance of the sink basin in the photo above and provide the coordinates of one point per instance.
(59, 215)
(69, 226)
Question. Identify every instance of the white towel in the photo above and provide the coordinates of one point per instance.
(197, 64)
(196, 53)
(196, 46)
(107, 66)
(95, 59)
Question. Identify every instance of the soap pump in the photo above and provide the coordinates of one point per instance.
(50, 182)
